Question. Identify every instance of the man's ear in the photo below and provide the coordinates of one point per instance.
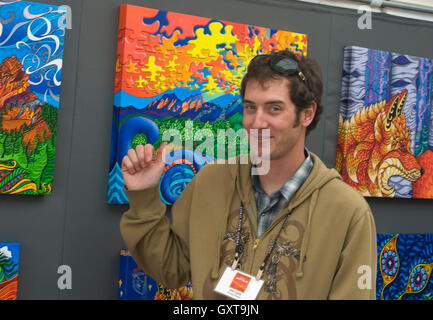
(307, 115)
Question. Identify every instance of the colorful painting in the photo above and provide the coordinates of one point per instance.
(181, 72)
(135, 284)
(31, 52)
(385, 132)
(405, 263)
(9, 260)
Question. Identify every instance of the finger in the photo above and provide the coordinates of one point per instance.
(140, 155)
(127, 165)
(149, 153)
(132, 155)
(162, 152)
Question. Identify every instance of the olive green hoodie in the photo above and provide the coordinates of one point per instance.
(326, 251)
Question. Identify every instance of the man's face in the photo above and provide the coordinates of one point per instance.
(269, 106)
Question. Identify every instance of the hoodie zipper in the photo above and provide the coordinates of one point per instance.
(258, 240)
(253, 258)
(256, 243)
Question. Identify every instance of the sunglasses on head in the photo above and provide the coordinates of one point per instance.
(284, 65)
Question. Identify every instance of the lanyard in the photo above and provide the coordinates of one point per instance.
(238, 246)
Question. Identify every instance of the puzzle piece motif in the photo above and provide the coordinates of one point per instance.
(169, 50)
(173, 67)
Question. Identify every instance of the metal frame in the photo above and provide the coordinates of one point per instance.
(400, 5)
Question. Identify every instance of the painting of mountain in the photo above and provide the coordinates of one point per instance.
(9, 263)
(31, 51)
(182, 72)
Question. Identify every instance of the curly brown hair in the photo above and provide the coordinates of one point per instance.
(302, 91)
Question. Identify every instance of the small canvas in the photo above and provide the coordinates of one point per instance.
(405, 263)
(31, 54)
(135, 284)
(385, 132)
(179, 75)
(9, 262)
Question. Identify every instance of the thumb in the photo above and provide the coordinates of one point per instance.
(162, 153)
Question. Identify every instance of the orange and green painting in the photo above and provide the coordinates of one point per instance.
(178, 71)
(31, 52)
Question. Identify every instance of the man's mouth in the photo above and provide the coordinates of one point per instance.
(261, 137)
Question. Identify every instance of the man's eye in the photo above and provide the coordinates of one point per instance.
(275, 108)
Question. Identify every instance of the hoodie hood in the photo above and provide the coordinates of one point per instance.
(319, 176)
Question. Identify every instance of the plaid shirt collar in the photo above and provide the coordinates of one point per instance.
(269, 206)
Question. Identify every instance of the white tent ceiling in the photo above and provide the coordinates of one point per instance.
(413, 9)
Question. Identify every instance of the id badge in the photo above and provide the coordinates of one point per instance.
(238, 285)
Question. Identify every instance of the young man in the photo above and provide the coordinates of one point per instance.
(298, 228)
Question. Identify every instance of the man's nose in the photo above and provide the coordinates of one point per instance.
(260, 120)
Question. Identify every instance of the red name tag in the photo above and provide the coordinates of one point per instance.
(238, 285)
(240, 282)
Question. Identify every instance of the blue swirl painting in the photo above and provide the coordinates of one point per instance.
(405, 263)
(31, 57)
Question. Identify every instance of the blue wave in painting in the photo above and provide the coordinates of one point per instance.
(34, 33)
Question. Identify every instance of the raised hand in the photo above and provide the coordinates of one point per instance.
(142, 168)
